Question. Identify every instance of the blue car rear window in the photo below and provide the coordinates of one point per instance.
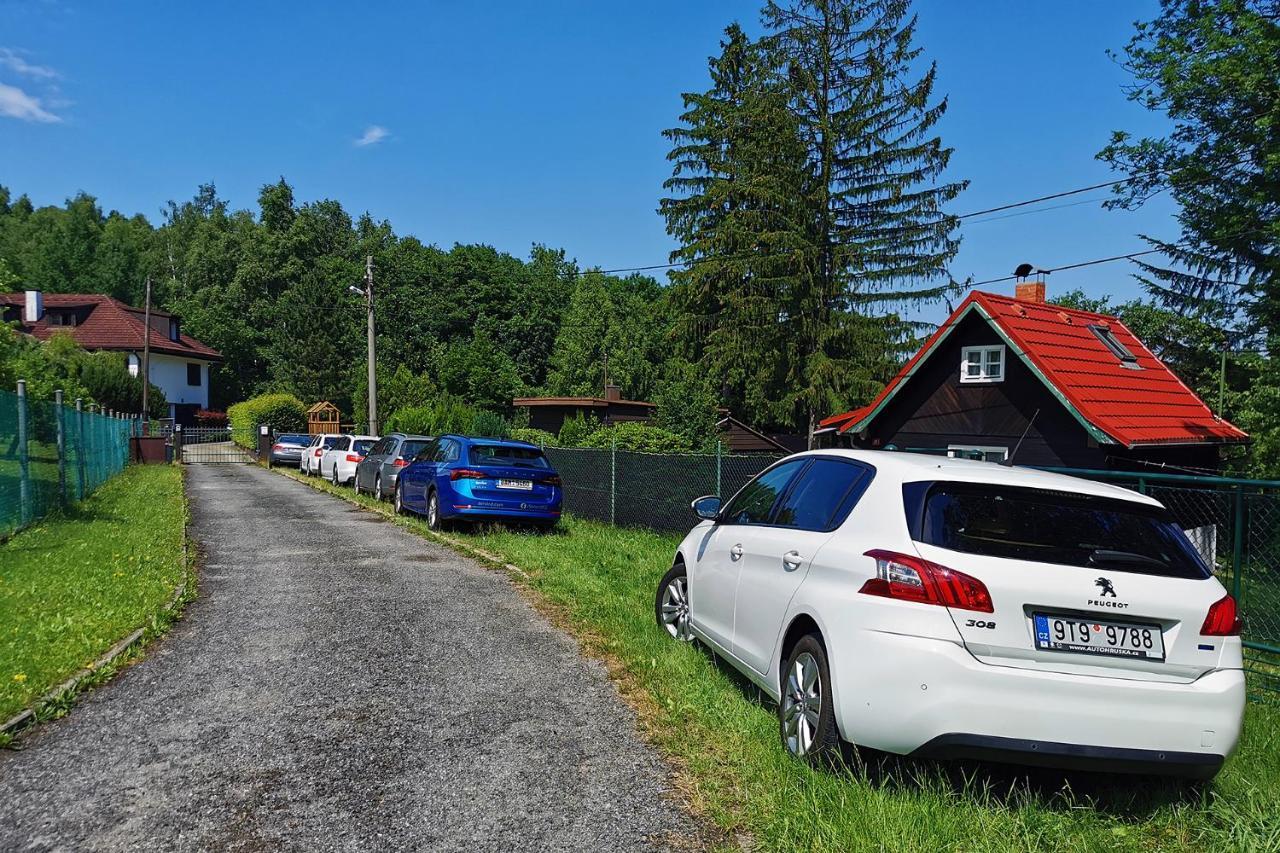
(516, 457)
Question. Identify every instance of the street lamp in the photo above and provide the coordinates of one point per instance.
(367, 292)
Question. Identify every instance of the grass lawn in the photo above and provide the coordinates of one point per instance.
(76, 582)
(599, 582)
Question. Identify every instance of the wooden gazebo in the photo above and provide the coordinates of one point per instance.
(323, 417)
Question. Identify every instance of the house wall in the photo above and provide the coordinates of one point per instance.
(169, 374)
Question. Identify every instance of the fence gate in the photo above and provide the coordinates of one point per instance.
(216, 444)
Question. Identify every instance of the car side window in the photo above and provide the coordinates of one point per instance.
(754, 504)
(823, 495)
(428, 453)
(451, 451)
(379, 447)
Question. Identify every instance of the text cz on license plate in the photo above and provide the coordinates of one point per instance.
(1098, 637)
(522, 485)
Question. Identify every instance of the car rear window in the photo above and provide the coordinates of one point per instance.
(363, 445)
(332, 442)
(292, 438)
(1051, 527)
(518, 457)
(410, 449)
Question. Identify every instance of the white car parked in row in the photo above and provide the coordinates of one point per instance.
(956, 609)
(338, 464)
(312, 454)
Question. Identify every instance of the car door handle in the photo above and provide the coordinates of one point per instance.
(792, 560)
(735, 553)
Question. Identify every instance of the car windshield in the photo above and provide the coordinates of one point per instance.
(516, 457)
(410, 449)
(1057, 527)
(293, 438)
(363, 445)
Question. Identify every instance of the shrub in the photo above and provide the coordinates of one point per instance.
(282, 412)
(540, 437)
(448, 414)
(637, 436)
(575, 430)
(490, 425)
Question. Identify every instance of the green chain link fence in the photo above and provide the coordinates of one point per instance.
(52, 454)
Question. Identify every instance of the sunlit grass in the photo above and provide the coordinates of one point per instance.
(599, 581)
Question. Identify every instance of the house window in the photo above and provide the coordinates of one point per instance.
(134, 364)
(979, 452)
(174, 333)
(193, 374)
(1119, 350)
(982, 364)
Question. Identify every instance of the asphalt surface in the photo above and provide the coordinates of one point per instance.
(341, 684)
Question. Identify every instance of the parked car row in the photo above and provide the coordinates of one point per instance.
(446, 479)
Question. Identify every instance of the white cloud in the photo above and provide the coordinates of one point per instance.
(373, 134)
(12, 60)
(15, 103)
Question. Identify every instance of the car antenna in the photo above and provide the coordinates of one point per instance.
(1008, 460)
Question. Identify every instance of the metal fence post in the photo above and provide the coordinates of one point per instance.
(719, 455)
(613, 479)
(1237, 544)
(24, 466)
(62, 446)
(79, 448)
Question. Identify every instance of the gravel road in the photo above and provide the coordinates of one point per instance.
(341, 684)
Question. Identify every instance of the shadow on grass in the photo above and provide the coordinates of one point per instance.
(988, 783)
(82, 512)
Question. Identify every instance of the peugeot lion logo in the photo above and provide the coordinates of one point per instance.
(1106, 586)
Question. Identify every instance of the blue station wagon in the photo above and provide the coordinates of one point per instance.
(458, 478)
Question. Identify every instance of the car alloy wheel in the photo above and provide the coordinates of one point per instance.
(335, 476)
(377, 489)
(802, 704)
(433, 511)
(355, 482)
(399, 501)
(673, 604)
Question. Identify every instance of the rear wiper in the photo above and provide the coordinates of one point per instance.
(1103, 555)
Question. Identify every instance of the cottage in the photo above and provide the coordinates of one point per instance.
(1081, 386)
(550, 413)
(179, 364)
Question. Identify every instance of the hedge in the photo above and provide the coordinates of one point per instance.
(282, 412)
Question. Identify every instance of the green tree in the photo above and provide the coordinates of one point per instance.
(687, 404)
(1212, 67)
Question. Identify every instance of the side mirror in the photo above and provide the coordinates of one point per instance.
(707, 507)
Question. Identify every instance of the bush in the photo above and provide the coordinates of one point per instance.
(490, 425)
(575, 430)
(448, 414)
(540, 437)
(282, 412)
(639, 437)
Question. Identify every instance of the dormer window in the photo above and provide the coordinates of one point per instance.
(982, 364)
(1119, 350)
(174, 334)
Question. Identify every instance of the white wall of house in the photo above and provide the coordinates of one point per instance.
(169, 374)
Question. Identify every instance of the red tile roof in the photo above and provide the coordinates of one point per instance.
(110, 325)
(1129, 407)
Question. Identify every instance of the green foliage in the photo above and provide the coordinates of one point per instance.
(100, 378)
(687, 405)
(398, 389)
(540, 437)
(490, 425)
(1210, 70)
(636, 436)
(282, 412)
(574, 430)
(105, 376)
(448, 414)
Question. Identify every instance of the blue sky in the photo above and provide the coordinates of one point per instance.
(511, 123)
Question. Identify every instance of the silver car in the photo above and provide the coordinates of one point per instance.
(376, 474)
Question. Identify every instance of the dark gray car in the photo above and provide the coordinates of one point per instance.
(287, 448)
(376, 474)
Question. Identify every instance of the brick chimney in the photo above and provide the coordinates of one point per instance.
(33, 310)
(612, 392)
(1029, 291)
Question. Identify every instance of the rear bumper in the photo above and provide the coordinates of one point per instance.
(488, 512)
(1072, 756)
(915, 695)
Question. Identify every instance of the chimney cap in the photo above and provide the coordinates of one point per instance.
(612, 392)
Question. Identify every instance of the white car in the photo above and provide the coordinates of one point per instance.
(309, 463)
(954, 609)
(338, 463)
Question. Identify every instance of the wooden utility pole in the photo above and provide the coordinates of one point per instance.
(146, 356)
(373, 376)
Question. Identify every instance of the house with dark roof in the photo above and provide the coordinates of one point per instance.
(1081, 387)
(179, 363)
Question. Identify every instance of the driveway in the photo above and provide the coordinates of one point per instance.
(341, 684)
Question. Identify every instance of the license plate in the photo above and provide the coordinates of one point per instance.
(1098, 637)
(522, 485)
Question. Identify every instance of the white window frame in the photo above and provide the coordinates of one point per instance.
(952, 449)
(985, 375)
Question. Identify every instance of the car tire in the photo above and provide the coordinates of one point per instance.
(671, 603)
(335, 476)
(377, 489)
(433, 512)
(355, 482)
(398, 501)
(806, 715)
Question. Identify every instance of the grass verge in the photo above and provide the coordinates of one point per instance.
(75, 583)
(599, 582)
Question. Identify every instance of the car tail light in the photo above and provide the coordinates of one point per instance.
(1223, 619)
(553, 480)
(277, 447)
(909, 578)
(400, 463)
(466, 474)
(351, 457)
(318, 451)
